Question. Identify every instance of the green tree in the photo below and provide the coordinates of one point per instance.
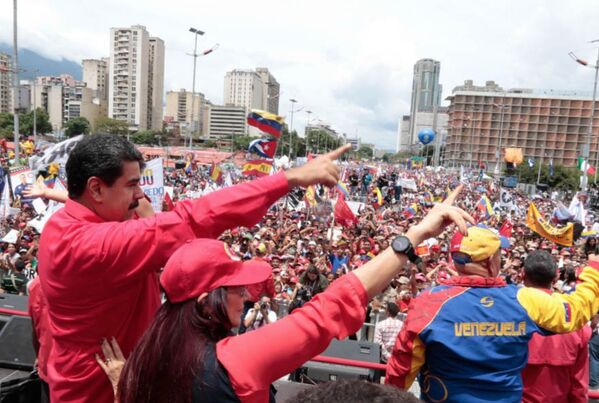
(144, 137)
(77, 126)
(42, 120)
(563, 178)
(320, 141)
(241, 143)
(111, 126)
(365, 152)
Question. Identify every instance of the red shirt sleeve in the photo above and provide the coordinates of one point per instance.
(256, 359)
(130, 248)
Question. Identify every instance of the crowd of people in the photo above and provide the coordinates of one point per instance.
(306, 251)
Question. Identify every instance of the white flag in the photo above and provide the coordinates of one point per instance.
(5, 200)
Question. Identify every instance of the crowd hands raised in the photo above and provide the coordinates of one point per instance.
(307, 251)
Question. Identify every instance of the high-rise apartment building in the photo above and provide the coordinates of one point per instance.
(426, 90)
(155, 83)
(179, 109)
(96, 76)
(136, 72)
(244, 88)
(5, 83)
(545, 124)
(426, 98)
(65, 98)
(270, 90)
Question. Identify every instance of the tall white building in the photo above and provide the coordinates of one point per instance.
(244, 88)
(270, 90)
(155, 83)
(136, 74)
(5, 83)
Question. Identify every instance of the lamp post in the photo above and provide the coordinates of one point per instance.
(498, 151)
(308, 112)
(293, 102)
(195, 55)
(586, 149)
(15, 80)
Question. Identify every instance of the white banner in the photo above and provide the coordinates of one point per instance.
(152, 182)
(11, 237)
(408, 184)
(58, 153)
(506, 200)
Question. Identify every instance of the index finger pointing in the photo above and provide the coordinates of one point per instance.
(453, 195)
(335, 154)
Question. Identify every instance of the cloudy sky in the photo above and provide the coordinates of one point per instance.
(350, 62)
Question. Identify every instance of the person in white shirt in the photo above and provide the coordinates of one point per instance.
(260, 315)
(386, 331)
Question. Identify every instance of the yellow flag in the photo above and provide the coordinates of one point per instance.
(561, 236)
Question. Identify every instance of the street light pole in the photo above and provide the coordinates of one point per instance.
(195, 55)
(293, 101)
(587, 148)
(15, 79)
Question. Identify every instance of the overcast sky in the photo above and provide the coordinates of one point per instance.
(350, 62)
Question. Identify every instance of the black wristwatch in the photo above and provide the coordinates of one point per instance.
(403, 245)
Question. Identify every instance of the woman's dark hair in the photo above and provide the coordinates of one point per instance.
(354, 391)
(100, 155)
(169, 355)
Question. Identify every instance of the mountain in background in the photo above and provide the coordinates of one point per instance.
(31, 61)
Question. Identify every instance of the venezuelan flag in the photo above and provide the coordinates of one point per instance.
(414, 207)
(342, 188)
(216, 173)
(408, 213)
(266, 122)
(484, 205)
(379, 196)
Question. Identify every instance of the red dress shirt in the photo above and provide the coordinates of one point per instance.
(256, 359)
(558, 368)
(38, 311)
(100, 278)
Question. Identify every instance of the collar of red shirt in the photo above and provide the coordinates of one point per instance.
(471, 281)
(80, 212)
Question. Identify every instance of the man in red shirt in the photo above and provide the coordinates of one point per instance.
(98, 269)
(558, 365)
(42, 339)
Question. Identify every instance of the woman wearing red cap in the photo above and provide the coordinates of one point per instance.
(189, 354)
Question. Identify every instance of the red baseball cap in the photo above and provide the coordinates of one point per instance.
(202, 265)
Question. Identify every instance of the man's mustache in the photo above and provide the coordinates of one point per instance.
(134, 205)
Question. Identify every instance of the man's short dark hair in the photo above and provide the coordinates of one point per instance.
(100, 155)
(350, 391)
(540, 268)
(392, 309)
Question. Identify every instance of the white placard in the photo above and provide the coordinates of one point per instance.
(152, 182)
(11, 237)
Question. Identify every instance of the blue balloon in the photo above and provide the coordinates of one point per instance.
(426, 136)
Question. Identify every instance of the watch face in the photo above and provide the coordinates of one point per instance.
(401, 244)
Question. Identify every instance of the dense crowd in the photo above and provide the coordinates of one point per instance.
(308, 250)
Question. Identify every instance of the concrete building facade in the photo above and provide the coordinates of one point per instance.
(408, 140)
(271, 91)
(244, 88)
(226, 122)
(136, 72)
(65, 99)
(179, 110)
(5, 83)
(96, 76)
(545, 124)
(155, 83)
